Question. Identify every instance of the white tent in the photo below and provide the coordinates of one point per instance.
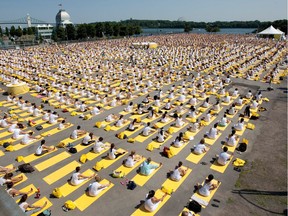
(271, 31)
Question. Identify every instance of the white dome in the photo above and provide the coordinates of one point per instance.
(62, 17)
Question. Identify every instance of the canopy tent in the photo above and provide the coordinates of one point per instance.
(276, 33)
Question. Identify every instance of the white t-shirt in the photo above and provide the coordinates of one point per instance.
(223, 158)
(175, 176)
(98, 147)
(26, 140)
(146, 131)
(39, 150)
(212, 133)
(111, 154)
(86, 139)
(74, 134)
(16, 133)
(199, 149)
(94, 189)
(129, 162)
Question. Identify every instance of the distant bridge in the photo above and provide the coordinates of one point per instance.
(25, 20)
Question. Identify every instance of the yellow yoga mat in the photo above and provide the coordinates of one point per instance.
(1, 153)
(85, 201)
(174, 185)
(114, 128)
(232, 148)
(127, 170)
(212, 141)
(231, 116)
(163, 124)
(60, 173)
(20, 146)
(26, 114)
(176, 129)
(54, 131)
(129, 133)
(194, 158)
(186, 209)
(39, 121)
(23, 180)
(141, 179)
(124, 113)
(5, 133)
(227, 104)
(81, 147)
(141, 138)
(33, 157)
(240, 133)
(41, 202)
(46, 125)
(26, 190)
(106, 162)
(219, 168)
(142, 211)
(197, 196)
(67, 188)
(137, 116)
(52, 161)
(223, 128)
(177, 150)
(93, 155)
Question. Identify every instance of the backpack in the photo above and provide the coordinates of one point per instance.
(45, 213)
(39, 127)
(73, 150)
(242, 147)
(57, 193)
(98, 166)
(131, 140)
(26, 168)
(194, 206)
(6, 144)
(150, 147)
(131, 185)
(70, 205)
(167, 190)
(118, 174)
(107, 128)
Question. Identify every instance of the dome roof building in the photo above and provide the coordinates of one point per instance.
(62, 18)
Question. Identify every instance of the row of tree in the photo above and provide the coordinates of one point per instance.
(100, 29)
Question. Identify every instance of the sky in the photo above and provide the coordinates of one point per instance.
(86, 11)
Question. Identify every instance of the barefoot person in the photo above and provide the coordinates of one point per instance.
(43, 149)
(77, 178)
(24, 205)
(95, 188)
(151, 202)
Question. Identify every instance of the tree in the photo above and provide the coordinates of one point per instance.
(1, 32)
(12, 31)
(71, 32)
(123, 30)
(187, 27)
(61, 34)
(116, 29)
(30, 31)
(99, 29)
(108, 28)
(54, 35)
(212, 28)
(25, 31)
(91, 31)
(7, 31)
(81, 31)
(19, 32)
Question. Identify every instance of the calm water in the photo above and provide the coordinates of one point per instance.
(201, 31)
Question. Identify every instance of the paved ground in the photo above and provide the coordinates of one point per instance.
(267, 145)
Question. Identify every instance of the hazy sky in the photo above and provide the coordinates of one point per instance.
(85, 11)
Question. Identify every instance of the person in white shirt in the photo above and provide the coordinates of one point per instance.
(77, 178)
(200, 148)
(53, 118)
(132, 159)
(99, 146)
(147, 130)
(178, 172)
(161, 136)
(88, 139)
(95, 188)
(28, 138)
(240, 125)
(113, 154)
(232, 139)
(207, 187)
(223, 121)
(77, 133)
(129, 108)
(111, 117)
(43, 149)
(223, 157)
(213, 132)
(95, 110)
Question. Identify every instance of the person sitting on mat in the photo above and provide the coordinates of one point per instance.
(226, 98)
(147, 130)
(151, 202)
(223, 121)
(88, 139)
(28, 138)
(77, 178)
(113, 154)
(43, 149)
(178, 172)
(8, 177)
(240, 125)
(216, 106)
(232, 110)
(205, 189)
(129, 108)
(95, 110)
(247, 112)
(146, 168)
(200, 148)
(99, 146)
(14, 192)
(213, 132)
(165, 117)
(232, 139)
(132, 125)
(24, 206)
(121, 121)
(95, 188)
(7, 170)
(132, 159)
(161, 136)
(111, 117)
(194, 127)
(77, 133)
(223, 157)
(62, 125)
